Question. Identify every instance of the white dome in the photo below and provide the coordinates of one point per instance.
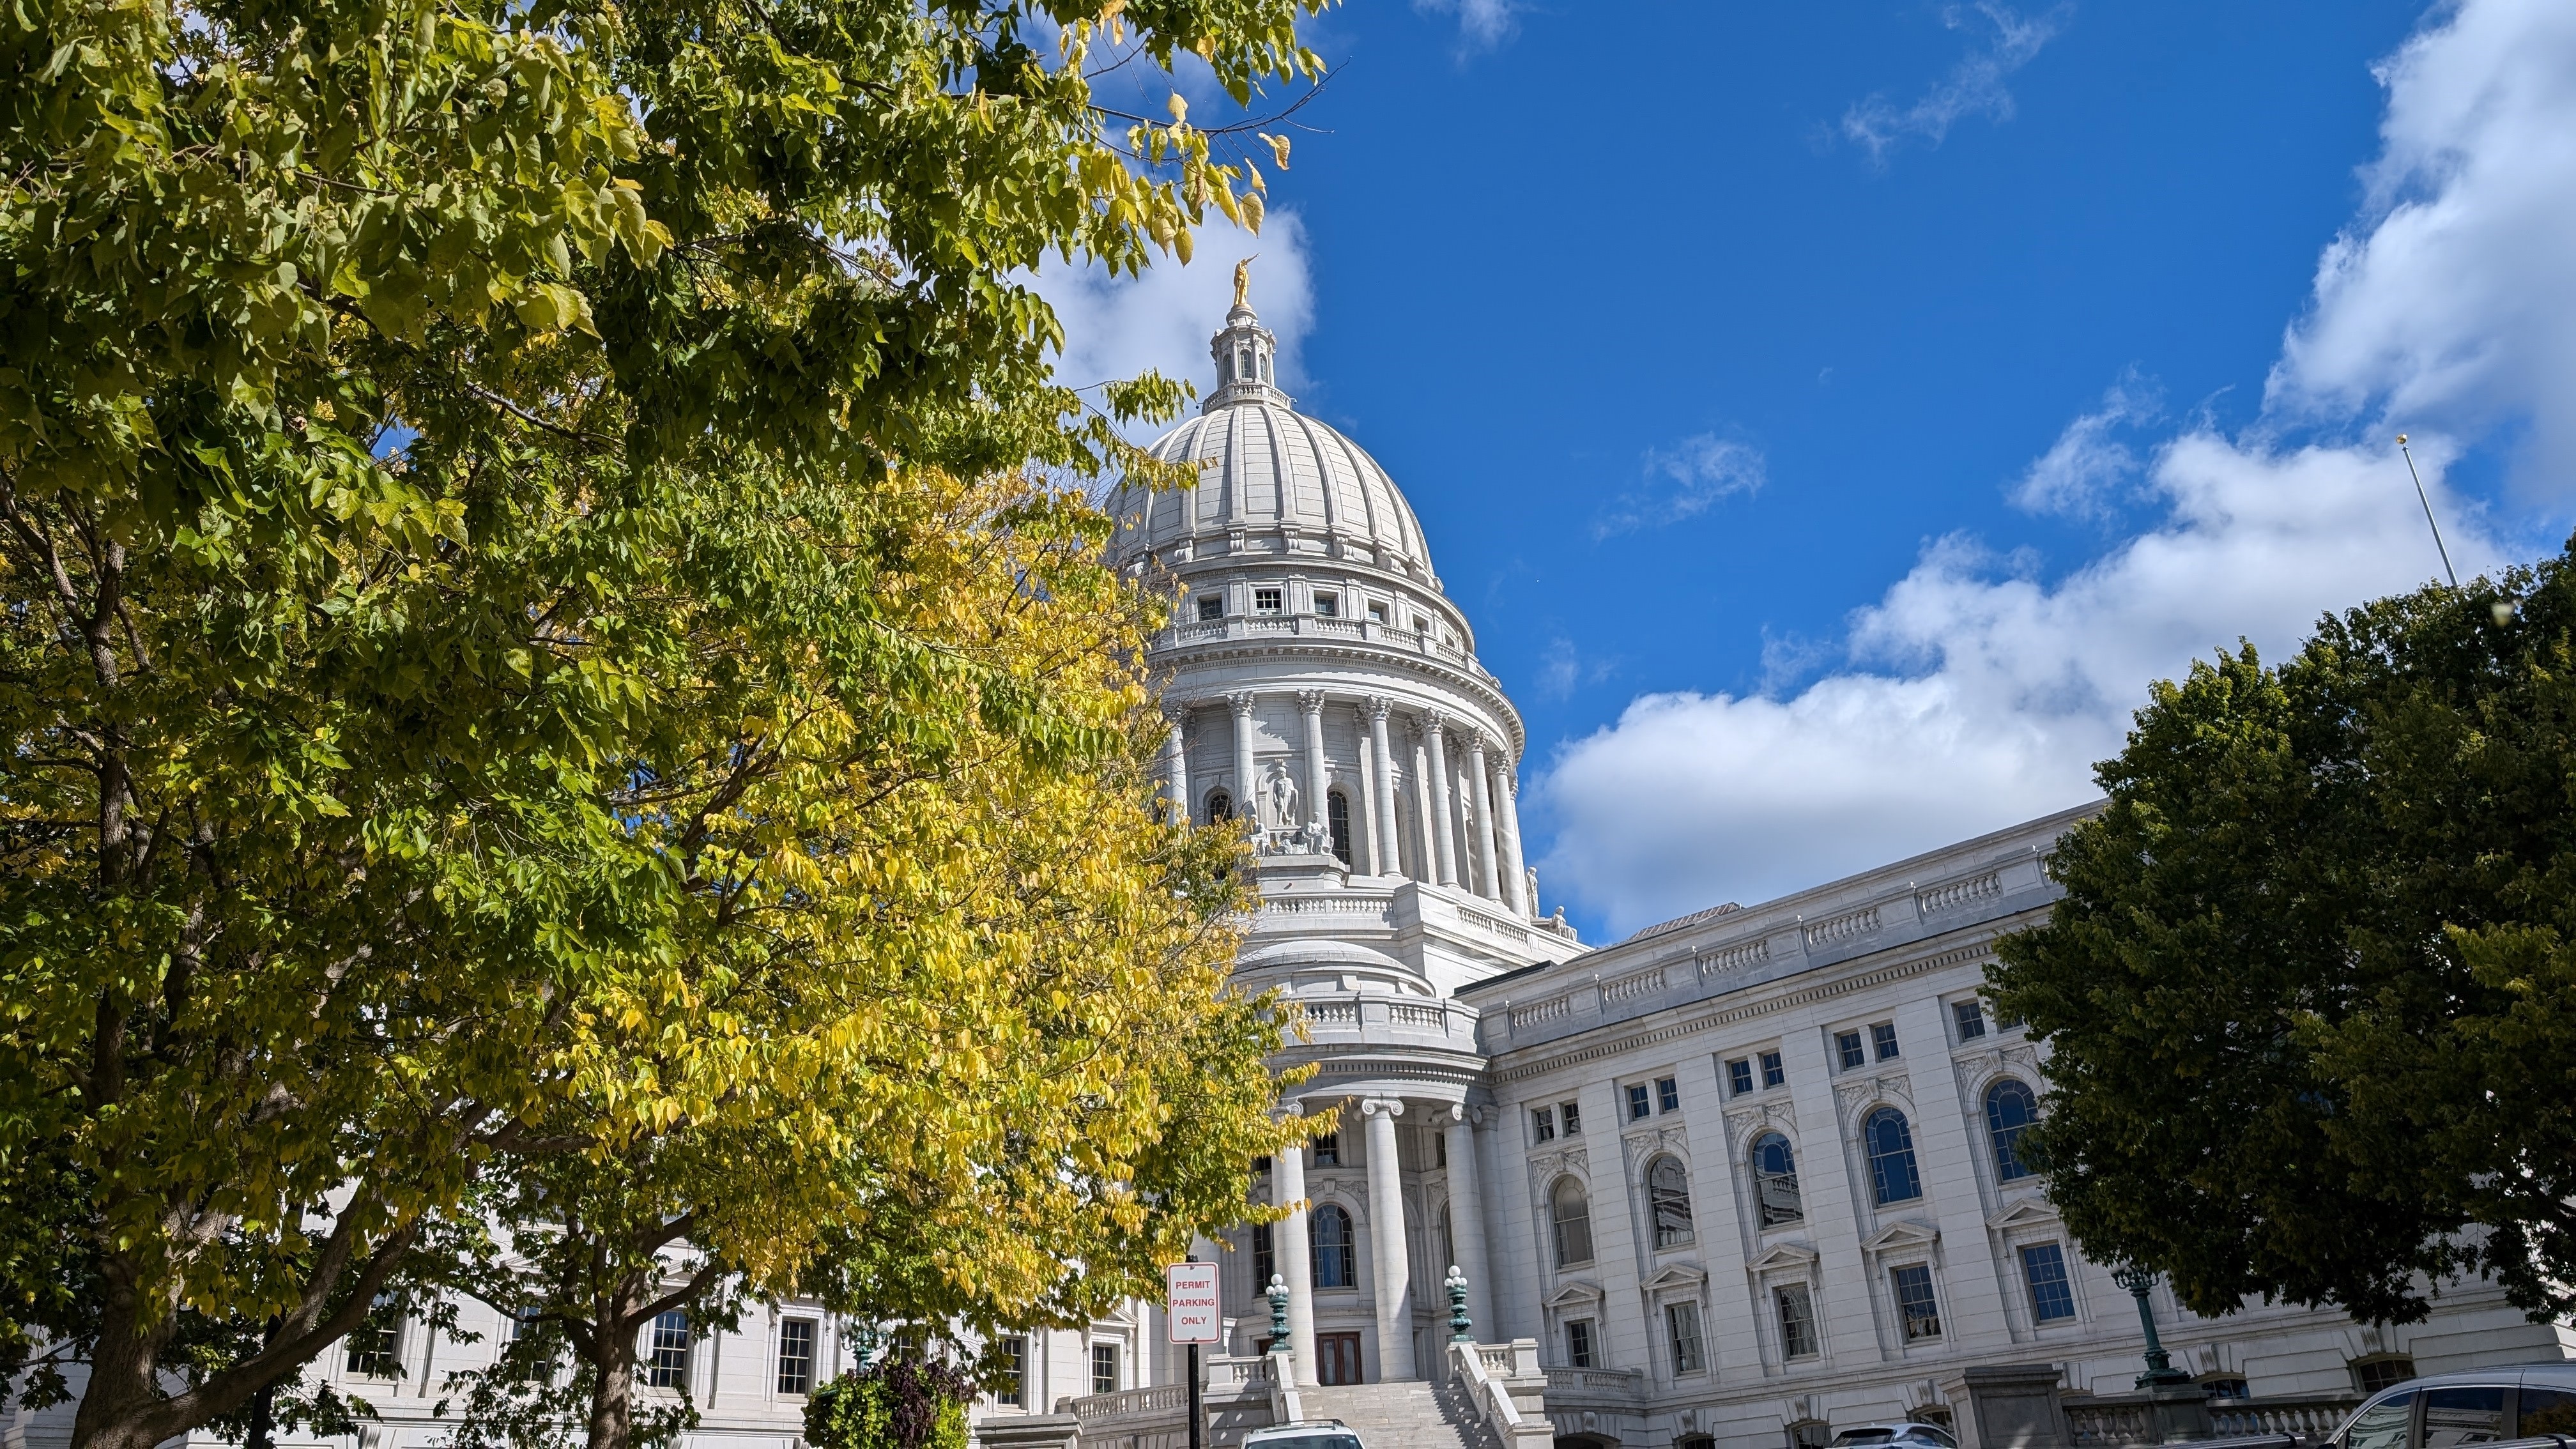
(1270, 479)
(1265, 469)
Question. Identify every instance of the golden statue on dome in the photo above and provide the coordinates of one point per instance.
(1243, 279)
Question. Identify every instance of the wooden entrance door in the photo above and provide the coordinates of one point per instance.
(1338, 1356)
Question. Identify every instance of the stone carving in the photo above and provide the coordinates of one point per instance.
(1853, 1096)
(1279, 799)
(1641, 1145)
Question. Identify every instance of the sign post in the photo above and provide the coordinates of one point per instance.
(1193, 1316)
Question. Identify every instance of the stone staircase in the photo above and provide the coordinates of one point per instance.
(1403, 1415)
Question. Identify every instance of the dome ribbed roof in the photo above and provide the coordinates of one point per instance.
(1264, 467)
(1265, 470)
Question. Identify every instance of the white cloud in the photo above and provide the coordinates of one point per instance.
(1971, 696)
(2450, 303)
(1482, 24)
(1974, 87)
(2083, 472)
(1683, 481)
(1116, 327)
(1974, 694)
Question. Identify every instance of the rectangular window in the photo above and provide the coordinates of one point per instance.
(1914, 1301)
(1774, 1071)
(1739, 1077)
(1212, 607)
(1570, 1117)
(796, 1355)
(1578, 1344)
(1883, 1038)
(1265, 1257)
(1971, 1016)
(1440, 1151)
(1847, 1048)
(1328, 606)
(1328, 1150)
(1104, 1368)
(1542, 1124)
(2052, 1298)
(375, 1345)
(1265, 601)
(1797, 1321)
(1639, 1105)
(1013, 1389)
(1377, 612)
(1668, 1095)
(1681, 1325)
(666, 1362)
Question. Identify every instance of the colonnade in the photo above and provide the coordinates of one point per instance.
(1390, 1255)
(1466, 829)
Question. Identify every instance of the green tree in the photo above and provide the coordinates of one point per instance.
(2310, 996)
(427, 426)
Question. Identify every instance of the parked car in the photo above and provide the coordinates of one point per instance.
(2476, 1406)
(1306, 1434)
(1907, 1435)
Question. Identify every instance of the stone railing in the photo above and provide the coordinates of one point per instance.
(1313, 626)
(2104, 1423)
(1960, 893)
(1628, 988)
(1236, 1392)
(1842, 928)
(1618, 1388)
(2089, 1423)
(1735, 958)
(1504, 1382)
(1539, 1011)
(2310, 1417)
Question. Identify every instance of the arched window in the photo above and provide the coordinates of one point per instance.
(1571, 1219)
(1668, 1198)
(1220, 807)
(1330, 1230)
(1337, 817)
(1775, 1181)
(1891, 1157)
(2010, 1109)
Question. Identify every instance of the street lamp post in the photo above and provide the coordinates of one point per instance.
(2160, 1374)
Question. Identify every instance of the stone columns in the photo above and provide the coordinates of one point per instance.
(1176, 778)
(1387, 1256)
(1372, 767)
(1444, 832)
(1310, 704)
(1246, 788)
(1425, 821)
(1488, 882)
(1393, 861)
(1289, 1245)
(1467, 1223)
(1507, 817)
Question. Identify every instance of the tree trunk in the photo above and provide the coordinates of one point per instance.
(612, 1389)
(116, 1404)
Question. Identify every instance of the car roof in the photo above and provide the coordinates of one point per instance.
(2555, 1372)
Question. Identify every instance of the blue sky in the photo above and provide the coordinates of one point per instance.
(1832, 415)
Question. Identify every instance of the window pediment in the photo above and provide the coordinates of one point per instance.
(1677, 1277)
(2030, 1212)
(1785, 1258)
(1581, 1293)
(1905, 1233)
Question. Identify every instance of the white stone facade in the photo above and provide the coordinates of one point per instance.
(1320, 681)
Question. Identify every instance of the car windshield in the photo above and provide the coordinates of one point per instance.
(1311, 1441)
(1864, 1436)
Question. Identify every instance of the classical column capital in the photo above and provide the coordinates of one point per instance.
(1476, 746)
(1178, 710)
(1242, 702)
(1379, 707)
(1310, 701)
(1455, 1111)
(1433, 723)
(1381, 1106)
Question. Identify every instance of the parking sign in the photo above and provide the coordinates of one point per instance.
(1190, 1304)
